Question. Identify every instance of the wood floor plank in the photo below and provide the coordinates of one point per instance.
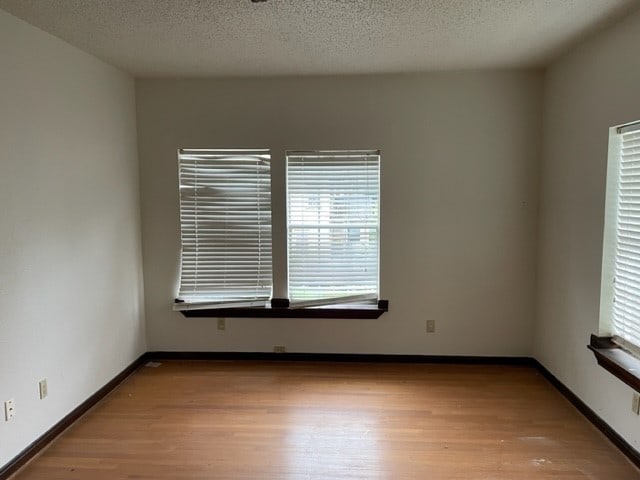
(301, 421)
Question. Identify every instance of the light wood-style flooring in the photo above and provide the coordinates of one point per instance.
(280, 420)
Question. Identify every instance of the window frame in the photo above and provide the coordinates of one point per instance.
(331, 156)
(231, 190)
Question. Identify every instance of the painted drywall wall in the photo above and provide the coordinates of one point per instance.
(460, 154)
(585, 92)
(71, 307)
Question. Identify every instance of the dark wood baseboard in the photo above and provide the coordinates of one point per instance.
(341, 357)
(41, 442)
(624, 446)
(32, 450)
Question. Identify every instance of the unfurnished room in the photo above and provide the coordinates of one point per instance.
(320, 239)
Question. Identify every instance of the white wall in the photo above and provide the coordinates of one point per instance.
(586, 92)
(71, 308)
(460, 155)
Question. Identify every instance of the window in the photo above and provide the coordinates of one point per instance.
(225, 218)
(617, 348)
(333, 229)
(621, 265)
(332, 226)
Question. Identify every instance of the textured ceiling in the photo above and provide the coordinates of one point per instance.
(297, 37)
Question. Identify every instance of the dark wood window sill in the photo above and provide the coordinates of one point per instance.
(616, 360)
(279, 309)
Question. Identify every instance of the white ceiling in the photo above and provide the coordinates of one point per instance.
(299, 37)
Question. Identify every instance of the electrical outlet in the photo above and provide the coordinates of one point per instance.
(42, 387)
(9, 409)
(635, 403)
(222, 323)
(431, 326)
(279, 349)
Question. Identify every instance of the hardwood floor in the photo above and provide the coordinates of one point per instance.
(277, 420)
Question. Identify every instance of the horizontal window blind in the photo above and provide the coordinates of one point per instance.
(225, 218)
(626, 306)
(333, 225)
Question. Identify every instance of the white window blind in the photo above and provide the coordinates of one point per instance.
(333, 202)
(626, 290)
(225, 217)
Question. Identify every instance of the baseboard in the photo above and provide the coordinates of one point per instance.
(341, 357)
(624, 446)
(32, 450)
